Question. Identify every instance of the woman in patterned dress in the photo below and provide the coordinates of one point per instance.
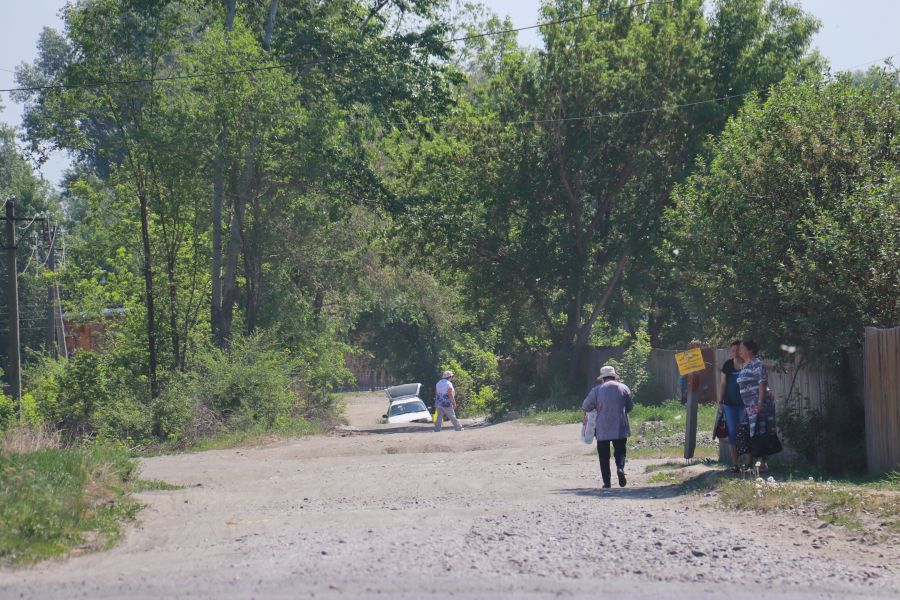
(753, 381)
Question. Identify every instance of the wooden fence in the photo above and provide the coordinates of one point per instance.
(594, 358)
(796, 386)
(665, 373)
(882, 398)
(366, 376)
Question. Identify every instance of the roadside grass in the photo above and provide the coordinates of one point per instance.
(657, 431)
(870, 506)
(152, 485)
(258, 434)
(866, 505)
(552, 417)
(57, 500)
(664, 477)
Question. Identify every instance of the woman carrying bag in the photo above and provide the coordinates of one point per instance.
(759, 404)
(612, 402)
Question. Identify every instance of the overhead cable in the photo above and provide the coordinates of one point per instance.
(304, 65)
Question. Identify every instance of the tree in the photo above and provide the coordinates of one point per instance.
(546, 193)
(114, 42)
(801, 189)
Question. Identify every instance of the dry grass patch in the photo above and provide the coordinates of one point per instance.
(856, 507)
(24, 439)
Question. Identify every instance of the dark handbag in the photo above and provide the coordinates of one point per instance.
(765, 444)
(742, 440)
(721, 428)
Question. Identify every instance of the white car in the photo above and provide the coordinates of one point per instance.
(405, 406)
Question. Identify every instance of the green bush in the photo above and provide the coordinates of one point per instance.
(632, 368)
(253, 382)
(476, 379)
(85, 395)
(485, 401)
(29, 411)
(832, 438)
(172, 411)
(7, 412)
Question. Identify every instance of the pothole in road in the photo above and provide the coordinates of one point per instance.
(426, 449)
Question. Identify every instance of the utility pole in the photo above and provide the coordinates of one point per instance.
(14, 375)
(56, 337)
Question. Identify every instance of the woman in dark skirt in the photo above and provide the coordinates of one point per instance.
(753, 381)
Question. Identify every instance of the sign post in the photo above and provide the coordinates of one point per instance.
(690, 361)
(690, 364)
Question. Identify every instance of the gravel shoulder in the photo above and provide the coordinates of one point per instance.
(495, 511)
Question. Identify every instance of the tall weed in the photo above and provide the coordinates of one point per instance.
(55, 500)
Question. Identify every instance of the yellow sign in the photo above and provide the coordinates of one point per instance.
(690, 361)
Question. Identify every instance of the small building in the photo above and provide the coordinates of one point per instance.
(89, 334)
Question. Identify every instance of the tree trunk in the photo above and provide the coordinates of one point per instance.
(148, 288)
(253, 267)
(270, 25)
(251, 239)
(141, 186)
(217, 318)
(231, 9)
(229, 284)
(318, 302)
(173, 310)
(577, 367)
(218, 199)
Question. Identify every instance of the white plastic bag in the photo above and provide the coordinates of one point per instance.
(588, 428)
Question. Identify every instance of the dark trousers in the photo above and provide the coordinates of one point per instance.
(618, 453)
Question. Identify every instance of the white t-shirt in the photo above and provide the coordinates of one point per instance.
(442, 392)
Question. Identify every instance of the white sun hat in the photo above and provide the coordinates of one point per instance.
(607, 371)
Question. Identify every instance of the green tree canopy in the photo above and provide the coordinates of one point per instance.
(545, 192)
(791, 230)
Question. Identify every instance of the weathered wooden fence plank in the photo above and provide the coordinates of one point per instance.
(882, 398)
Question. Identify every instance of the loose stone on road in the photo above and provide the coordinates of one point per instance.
(495, 511)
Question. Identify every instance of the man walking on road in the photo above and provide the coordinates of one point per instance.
(612, 401)
(445, 402)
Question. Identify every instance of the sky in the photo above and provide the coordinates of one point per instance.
(854, 34)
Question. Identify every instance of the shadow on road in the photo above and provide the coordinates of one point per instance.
(419, 428)
(700, 481)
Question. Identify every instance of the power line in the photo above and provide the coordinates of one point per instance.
(538, 121)
(305, 65)
(70, 113)
(871, 62)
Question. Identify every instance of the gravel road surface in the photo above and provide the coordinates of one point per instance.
(496, 511)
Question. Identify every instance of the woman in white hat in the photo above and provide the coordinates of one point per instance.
(612, 401)
(445, 402)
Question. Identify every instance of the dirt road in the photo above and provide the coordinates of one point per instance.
(503, 511)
